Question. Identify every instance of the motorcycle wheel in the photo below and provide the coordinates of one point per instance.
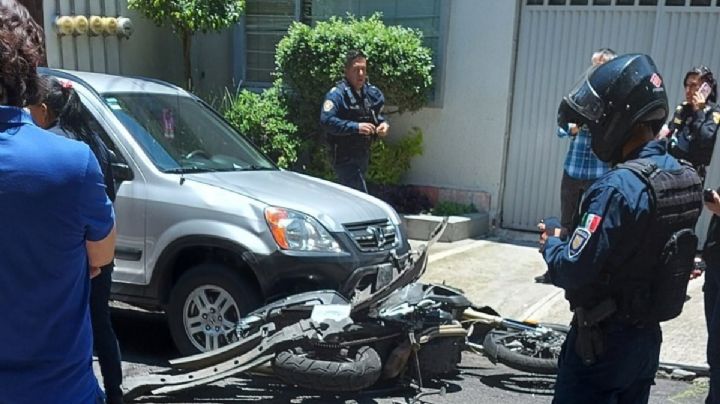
(349, 371)
(528, 351)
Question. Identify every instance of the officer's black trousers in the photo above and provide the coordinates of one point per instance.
(623, 374)
(712, 318)
(350, 170)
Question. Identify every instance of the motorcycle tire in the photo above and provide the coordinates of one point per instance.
(349, 373)
(496, 351)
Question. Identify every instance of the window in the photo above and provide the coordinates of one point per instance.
(267, 21)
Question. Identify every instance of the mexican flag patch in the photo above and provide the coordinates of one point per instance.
(590, 222)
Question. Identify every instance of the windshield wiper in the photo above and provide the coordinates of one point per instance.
(189, 170)
(254, 167)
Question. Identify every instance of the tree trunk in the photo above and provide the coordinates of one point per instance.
(186, 43)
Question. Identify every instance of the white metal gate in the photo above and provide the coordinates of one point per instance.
(555, 43)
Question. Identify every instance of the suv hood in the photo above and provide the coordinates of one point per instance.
(330, 203)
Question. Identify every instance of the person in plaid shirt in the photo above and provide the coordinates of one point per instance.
(581, 168)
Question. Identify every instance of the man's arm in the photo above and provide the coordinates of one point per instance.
(597, 240)
(383, 127)
(97, 215)
(705, 126)
(329, 116)
(101, 252)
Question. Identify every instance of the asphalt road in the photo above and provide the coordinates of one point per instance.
(146, 346)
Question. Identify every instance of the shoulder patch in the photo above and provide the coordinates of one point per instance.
(328, 106)
(578, 241)
(716, 118)
(332, 90)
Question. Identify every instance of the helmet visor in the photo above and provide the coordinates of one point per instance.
(584, 99)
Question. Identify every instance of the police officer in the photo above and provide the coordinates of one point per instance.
(694, 125)
(352, 115)
(711, 289)
(644, 208)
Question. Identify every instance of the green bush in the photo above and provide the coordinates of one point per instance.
(389, 161)
(309, 61)
(452, 209)
(263, 119)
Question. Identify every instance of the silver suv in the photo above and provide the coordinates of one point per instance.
(210, 229)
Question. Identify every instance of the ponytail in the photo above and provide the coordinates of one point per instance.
(64, 103)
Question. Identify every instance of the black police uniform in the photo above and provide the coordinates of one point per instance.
(341, 114)
(695, 133)
(617, 285)
(711, 289)
(617, 213)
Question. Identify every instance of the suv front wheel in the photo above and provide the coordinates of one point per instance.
(205, 305)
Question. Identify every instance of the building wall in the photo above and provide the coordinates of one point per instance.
(150, 51)
(464, 138)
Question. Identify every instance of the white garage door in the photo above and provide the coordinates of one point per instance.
(556, 40)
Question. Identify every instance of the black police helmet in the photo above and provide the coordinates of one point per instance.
(611, 98)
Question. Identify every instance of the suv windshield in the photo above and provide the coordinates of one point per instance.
(181, 134)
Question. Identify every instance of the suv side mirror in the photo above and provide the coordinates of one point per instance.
(121, 172)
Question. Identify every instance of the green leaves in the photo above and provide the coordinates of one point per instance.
(191, 15)
(310, 59)
(390, 161)
(263, 119)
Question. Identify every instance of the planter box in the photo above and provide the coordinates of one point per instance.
(470, 225)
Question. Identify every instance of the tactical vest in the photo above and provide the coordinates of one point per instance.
(651, 286)
(359, 110)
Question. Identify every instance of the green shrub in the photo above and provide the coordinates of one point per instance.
(263, 119)
(452, 209)
(389, 161)
(309, 60)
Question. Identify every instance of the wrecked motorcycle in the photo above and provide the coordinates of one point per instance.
(397, 328)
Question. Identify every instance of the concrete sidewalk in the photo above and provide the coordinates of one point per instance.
(498, 272)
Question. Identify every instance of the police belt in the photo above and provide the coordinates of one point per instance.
(591, 326)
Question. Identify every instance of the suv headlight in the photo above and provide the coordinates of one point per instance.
(299, 232)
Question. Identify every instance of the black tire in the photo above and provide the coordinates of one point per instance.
(211, 279)
(351, 373)
(546, 364)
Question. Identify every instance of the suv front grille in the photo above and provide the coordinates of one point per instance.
(377, 235)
